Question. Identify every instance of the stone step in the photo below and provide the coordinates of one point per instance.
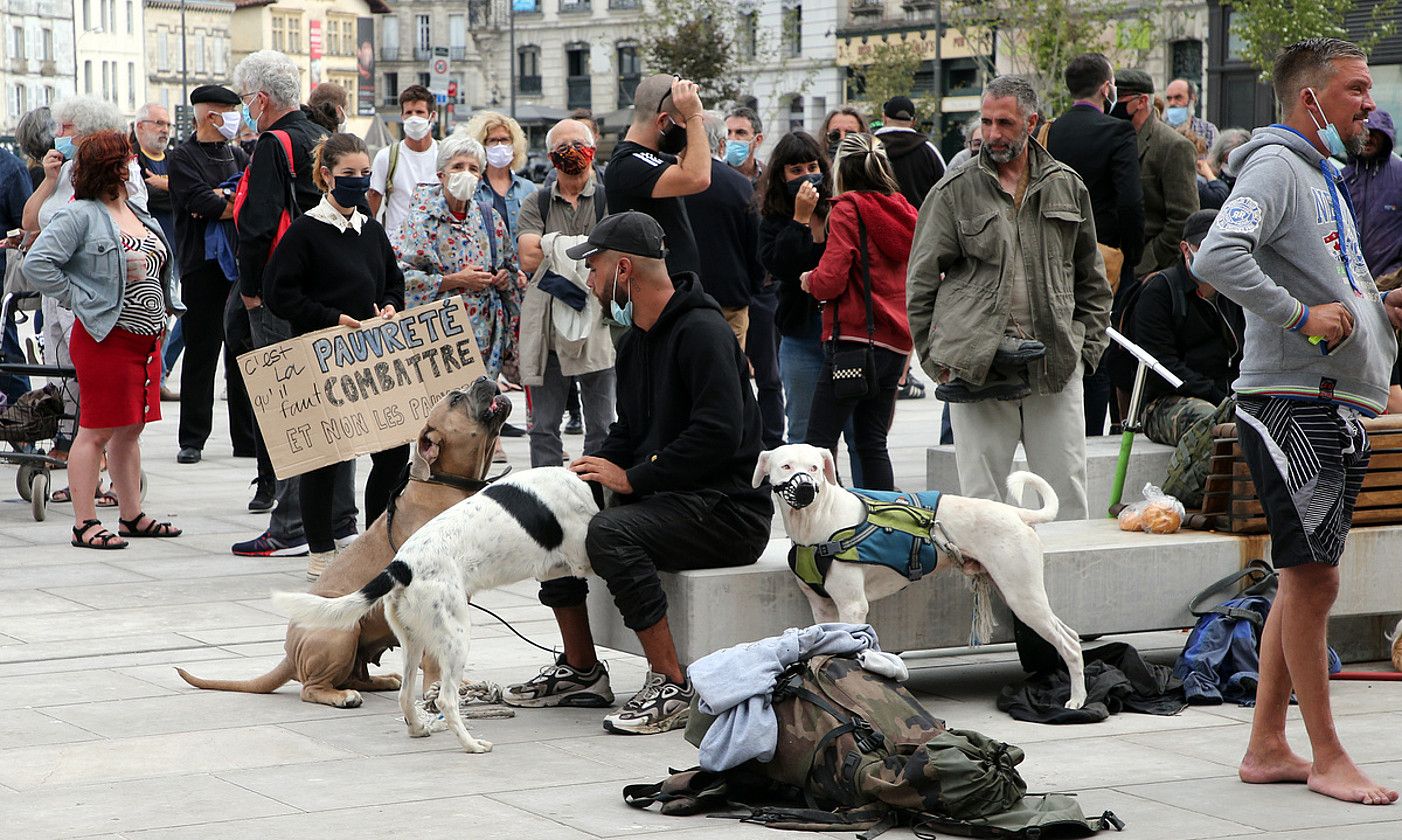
(1148, 462)
(1100, 580)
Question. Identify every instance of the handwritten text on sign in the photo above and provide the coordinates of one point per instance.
(331, 395)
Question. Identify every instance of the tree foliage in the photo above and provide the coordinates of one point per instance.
(892, 73)
(1038, 38)
(695, 39)
(1266, 26)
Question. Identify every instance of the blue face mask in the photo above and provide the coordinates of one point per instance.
(1176, 115)
(1328, 133)
(65, 147)
(622, 314)
(736, 152)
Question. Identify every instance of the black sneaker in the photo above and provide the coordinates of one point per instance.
(1018, 352)
(959, 391)
(263, 500)
(512, 431)
(562, 685)
(575, 425)
(661, 706)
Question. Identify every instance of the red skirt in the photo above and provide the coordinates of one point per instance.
(119, 378)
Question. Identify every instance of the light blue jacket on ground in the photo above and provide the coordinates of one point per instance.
(78, 261)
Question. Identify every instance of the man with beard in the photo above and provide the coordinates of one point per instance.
(152, 133)
(1286, 247)
(1374, 178)
(1008, 303)
(663, 157)
(1167, 172)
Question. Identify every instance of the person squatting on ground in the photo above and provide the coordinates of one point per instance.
(335, 267)
(550, 360)
(103, 257)
(1286, 247)
(680, 458)
(861, 281)
(1008, 303)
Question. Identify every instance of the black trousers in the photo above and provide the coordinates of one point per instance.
(206, 296)
(238, 339)
(317, 491)
(670, 532)
(871, 417)
(762, 346)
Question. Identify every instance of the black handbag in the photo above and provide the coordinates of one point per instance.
(854, 371)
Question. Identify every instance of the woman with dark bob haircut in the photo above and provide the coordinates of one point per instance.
(105, 258)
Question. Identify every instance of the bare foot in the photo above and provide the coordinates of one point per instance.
(1266, 767)
(1343, 780)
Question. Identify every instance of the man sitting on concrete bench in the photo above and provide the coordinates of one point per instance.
(1180, 320)
(681, 457)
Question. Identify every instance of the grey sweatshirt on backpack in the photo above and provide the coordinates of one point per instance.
(1275, 249)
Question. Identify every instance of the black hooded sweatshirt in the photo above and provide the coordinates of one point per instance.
(914, 162)
(687, 420)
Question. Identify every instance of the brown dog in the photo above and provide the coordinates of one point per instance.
(450, 461)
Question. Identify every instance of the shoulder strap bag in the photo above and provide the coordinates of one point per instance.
(854, 370)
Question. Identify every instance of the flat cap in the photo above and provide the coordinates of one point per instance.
(218, 94)
(1133, 82)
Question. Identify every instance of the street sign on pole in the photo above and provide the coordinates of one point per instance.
(438, 67)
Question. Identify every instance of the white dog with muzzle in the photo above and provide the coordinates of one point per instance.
(989, 541)
(529, 525)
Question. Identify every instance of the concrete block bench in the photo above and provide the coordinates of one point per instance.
(1100, 580)
(1148, 462)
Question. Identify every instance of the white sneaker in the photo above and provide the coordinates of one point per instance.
(317, 563)
(661, 706)
(562, 685)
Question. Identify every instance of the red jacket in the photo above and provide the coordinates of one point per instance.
(890, 223)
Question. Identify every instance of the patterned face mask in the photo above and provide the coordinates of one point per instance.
(572, 159)
(799, 491)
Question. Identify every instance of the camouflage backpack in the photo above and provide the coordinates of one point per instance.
(857, 751)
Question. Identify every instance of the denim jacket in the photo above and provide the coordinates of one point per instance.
(77, 260)
(515, 194)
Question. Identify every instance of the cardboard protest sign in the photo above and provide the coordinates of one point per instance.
(328, 396)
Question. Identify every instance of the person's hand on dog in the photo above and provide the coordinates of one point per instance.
(604, 472)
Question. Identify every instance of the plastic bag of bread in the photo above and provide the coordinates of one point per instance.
(1158, 513)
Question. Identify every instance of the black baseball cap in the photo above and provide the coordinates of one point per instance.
(218, 94)
(629, 233)
(1196, 226)
(899, 108)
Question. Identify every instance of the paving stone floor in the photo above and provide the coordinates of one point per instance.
(99, 738)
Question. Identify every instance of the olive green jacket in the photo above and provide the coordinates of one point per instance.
(959, 283)
(1168, 172)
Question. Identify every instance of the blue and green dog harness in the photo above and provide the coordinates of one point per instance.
(894, 531)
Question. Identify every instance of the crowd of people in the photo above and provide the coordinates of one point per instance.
(686, 304)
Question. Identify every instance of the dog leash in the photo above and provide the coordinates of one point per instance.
(460, 482)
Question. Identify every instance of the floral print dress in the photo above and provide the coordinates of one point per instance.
(432, 242)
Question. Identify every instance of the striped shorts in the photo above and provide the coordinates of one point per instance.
(1308, 460)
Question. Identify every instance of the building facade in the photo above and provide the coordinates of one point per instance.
(36, 59)
(109, 44)
(183, 54)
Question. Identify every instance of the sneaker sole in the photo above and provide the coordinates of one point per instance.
(275, 552)
(268, 509)
(676, 720)
(578, 700)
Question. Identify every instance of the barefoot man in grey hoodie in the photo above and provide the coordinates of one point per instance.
(1320, 344)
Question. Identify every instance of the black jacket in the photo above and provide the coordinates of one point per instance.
(1104, 152)
(726, 228)
(195, 170)
(687, 419)
(786, 250)
(1199, 340)
(916, 163)
(267, 193)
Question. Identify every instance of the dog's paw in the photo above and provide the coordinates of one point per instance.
(478, 746)
(350, 700)
(1075, 703)
(419, 731)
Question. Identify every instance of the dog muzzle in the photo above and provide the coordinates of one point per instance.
(799, 491)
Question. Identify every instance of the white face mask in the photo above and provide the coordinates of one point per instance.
(499, 157)
(229, 124)
(461, 185)
(416, 128)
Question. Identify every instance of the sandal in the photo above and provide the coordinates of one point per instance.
(153, 529)
(100, 540)
(102, 499)
(911, 389)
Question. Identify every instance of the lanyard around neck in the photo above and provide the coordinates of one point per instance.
(1327, 171)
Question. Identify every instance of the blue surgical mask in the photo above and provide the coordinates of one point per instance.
(65, 147)
(622, 314)
(1328, 133)
(1176, 115)
(736, 152)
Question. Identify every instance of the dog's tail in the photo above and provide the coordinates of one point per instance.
(1050, 505)
(266, 684)
(342, 613)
